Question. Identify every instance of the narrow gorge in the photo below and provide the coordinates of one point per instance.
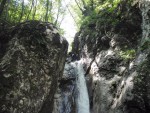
(107, 70)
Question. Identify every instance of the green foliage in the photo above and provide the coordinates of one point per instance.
(104, 12)
(128, 54)
(16, 11)
(92, 18)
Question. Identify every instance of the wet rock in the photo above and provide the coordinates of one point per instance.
(65, 103)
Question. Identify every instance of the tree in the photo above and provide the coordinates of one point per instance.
(85, 6)
(2, 6)
(16, 11)
(47, 10)
(22, 11)
(34, 11)
(32, 5)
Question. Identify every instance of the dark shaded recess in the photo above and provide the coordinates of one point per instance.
(130, 24)
(105, 42)
(147, 104)
(75, 44)
(148, 13)
(134, 107)
(5, 37)
(66, 81)
(56, 40)
(48, 104)
(92, 25)
(6, 84)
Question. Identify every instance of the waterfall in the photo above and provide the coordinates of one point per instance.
(82, 95)
(72, 95)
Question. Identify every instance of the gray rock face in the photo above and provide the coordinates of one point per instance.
(31, 67)
(65, 96)
(141, 89)
(118, 76)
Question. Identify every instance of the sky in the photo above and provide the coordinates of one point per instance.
(69, 28)
(68, 24)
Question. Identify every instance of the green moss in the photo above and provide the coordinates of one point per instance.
(127, 54)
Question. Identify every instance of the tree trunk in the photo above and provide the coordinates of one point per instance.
(47, 10)
(2, 6)
(58, 12)
(32, 5)
(22, 12)
(34, 13)
(79, 6)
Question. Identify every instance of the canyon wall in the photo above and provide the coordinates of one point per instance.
(115, 47)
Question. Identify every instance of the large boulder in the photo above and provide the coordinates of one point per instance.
(30, 67)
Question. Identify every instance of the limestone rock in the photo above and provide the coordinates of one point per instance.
(30, 68)
(117, 84)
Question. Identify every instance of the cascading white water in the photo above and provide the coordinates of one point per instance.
(74, 95)
(82, 95)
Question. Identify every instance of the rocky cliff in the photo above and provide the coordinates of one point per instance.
(32, 58)
(115, 47)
